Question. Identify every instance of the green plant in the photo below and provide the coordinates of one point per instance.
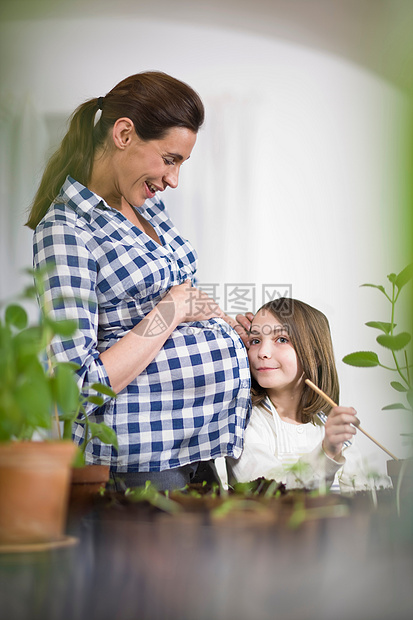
(150, 494)
(72, 406)
(29, 391)
(396, 343)
(32, 389)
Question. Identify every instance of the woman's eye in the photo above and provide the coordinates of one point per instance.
(254, 341)
(168, 161)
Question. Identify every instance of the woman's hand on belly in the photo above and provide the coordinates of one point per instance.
(128, 357)
(192, 304)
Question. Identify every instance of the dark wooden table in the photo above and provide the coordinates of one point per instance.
(135, 563)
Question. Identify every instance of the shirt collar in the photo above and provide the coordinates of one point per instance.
(80, 198)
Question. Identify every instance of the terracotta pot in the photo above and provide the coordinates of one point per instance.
(86, 483)
(34, 490)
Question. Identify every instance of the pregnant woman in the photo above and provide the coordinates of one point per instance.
(123, 271)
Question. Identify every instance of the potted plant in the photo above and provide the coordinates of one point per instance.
(34, 475)
(86, 480)
(397, 344)
(35, 471)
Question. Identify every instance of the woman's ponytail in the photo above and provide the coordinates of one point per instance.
(74, 157)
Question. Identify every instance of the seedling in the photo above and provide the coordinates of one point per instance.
(396, 343)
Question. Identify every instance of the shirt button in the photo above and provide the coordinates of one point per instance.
(300, 430)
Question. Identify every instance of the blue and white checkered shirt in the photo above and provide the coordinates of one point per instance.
(192, 401)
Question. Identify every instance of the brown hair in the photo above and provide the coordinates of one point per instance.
(154, 101)
(310, 336)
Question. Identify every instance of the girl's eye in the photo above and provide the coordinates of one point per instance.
(282, 339)
(168, 161)
(254, 341)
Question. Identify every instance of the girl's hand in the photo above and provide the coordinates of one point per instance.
(340, 427)
(243, 326)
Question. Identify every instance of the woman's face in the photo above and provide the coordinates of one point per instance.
(273, 360)
(143, 168)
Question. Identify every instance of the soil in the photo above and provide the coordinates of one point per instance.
(262, 502)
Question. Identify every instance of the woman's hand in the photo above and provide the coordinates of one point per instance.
(192, 304)
(183, 303)
(186, 303)
(340, 427)
(128, 357)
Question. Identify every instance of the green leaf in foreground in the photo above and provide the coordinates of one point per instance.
(404, 276)
(394, 406)
(364, 359)
(394, 343)
(95, 400)
(64, 327)
(103, 389)
(65, 389)
(398, 386)
(104, 433)
(379, 286)
(16, 315)
(384, 327)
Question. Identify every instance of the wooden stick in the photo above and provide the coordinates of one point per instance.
(333, 404)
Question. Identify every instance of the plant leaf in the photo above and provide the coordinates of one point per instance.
(66, 390)
(394, 343)
(384, 327)
(11, 418)
(104, 433)
(95, 400)
(73, 365)
(16, 315)
(79, 459)
(398, 386)
(28, 342)
(104, 389)
(404, 276)
(392, 277)
(29, 292)
(410, 397)
(379, 286)
(35, 400)
(362, 359)
(66, 327)
(66, 417)
(394, 406)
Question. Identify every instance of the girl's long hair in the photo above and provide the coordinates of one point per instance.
(310, 335)
(154, 101)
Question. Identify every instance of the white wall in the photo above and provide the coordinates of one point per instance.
(297, 177)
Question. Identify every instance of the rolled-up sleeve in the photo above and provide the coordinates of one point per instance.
(70, 293)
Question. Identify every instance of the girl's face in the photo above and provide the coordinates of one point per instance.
(273, 360)
(143, 168)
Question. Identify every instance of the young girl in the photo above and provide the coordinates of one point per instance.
(290, 341)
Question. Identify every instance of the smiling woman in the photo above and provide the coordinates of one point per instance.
(123, 271)
(133, 170)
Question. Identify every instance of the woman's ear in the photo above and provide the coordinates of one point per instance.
(122, 133)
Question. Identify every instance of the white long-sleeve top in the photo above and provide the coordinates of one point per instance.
(272, 446)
